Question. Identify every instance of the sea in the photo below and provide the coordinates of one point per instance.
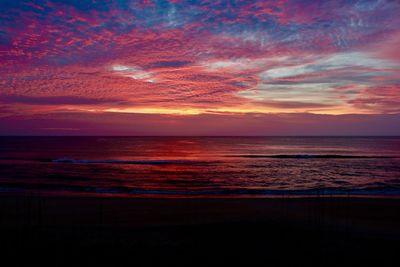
(202, 167)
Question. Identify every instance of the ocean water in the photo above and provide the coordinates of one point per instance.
(201, 166)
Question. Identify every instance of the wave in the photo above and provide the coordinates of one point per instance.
(182, 161)
(141, 162)
(389, 191)
(392, 191)
(311, 156)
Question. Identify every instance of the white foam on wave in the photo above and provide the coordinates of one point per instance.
(111, 161)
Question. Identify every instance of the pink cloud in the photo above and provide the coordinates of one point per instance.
(248, 57)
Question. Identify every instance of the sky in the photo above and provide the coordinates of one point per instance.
(206, 67)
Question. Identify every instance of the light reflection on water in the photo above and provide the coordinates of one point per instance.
(201, 166)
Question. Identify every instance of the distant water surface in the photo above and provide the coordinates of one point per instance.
(201, 166)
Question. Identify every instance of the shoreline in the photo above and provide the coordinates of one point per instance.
(189, 196)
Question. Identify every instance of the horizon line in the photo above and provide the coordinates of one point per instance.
(199, 136)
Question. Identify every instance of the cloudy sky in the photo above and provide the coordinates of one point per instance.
(206, 67)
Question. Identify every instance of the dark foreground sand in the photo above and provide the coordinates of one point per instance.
(84, 231)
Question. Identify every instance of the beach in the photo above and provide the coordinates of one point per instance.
(101, 231)
(199, 201)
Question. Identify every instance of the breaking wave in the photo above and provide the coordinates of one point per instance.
(142, 162)
(126, 191)
(309, 156)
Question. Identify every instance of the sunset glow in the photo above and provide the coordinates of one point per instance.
(63, 61)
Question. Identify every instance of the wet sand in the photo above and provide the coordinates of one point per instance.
(87, 231)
